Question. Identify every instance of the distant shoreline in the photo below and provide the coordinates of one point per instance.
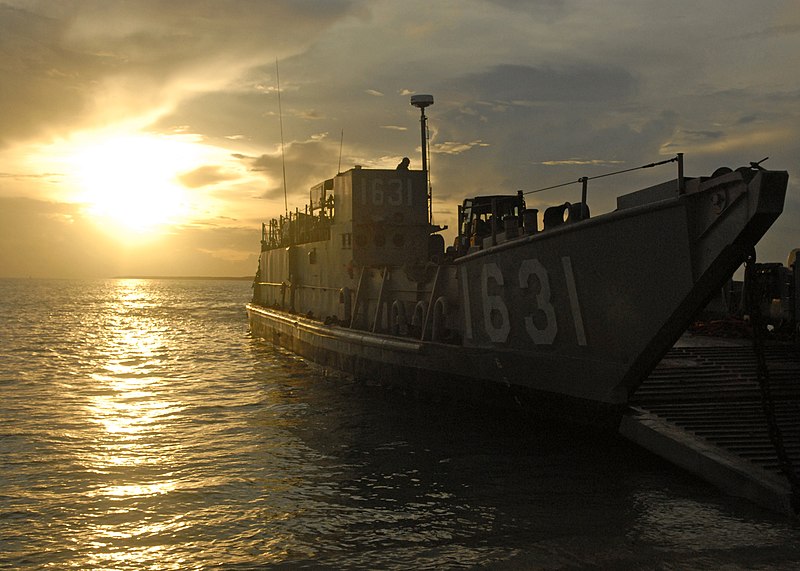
(228, 278)
(224, 278)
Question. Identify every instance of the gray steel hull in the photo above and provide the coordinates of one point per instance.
(434, 370)
(567, 322)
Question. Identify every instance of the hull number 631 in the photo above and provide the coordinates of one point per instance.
(541, 324)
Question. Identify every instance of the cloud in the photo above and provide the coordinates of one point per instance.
(550, 9)
(528, 95)
(205, 176)
(31, 176)
(305, 163)
(728, 143)
(453, 148)
(94, 60)
(772, 31)
(514, 83)
(581, 162)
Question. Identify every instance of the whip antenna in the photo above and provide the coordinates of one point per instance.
(283, 154)
(341, 142)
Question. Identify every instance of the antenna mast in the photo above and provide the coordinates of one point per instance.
(341, 143)
(421, 102)
(283, 154)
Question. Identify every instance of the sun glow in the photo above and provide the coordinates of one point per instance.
(131, 180)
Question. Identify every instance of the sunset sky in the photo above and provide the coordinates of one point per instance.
(143, 137)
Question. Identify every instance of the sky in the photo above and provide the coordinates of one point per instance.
(153, 138)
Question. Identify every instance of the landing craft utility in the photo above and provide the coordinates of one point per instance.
(560, 312)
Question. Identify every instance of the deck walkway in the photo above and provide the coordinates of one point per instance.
(701, 409)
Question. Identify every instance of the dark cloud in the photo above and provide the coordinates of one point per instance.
(746, 119)
(771, 32)
(526, 116)
(306, 164)
(530, 147)
(545, 9)
(577, 83)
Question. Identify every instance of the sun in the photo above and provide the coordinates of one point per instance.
(130, 181)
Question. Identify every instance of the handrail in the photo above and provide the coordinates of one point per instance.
(584, 179)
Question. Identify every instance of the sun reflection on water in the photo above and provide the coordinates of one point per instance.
(134, 446)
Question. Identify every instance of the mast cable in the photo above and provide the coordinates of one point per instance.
(672, 160)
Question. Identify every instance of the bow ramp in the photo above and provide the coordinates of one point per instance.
(703, 409)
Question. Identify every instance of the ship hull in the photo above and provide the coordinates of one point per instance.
(435, 371)
(565, 323)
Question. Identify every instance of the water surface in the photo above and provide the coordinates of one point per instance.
(141, 427)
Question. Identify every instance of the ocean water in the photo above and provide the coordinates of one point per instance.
(141, 427)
